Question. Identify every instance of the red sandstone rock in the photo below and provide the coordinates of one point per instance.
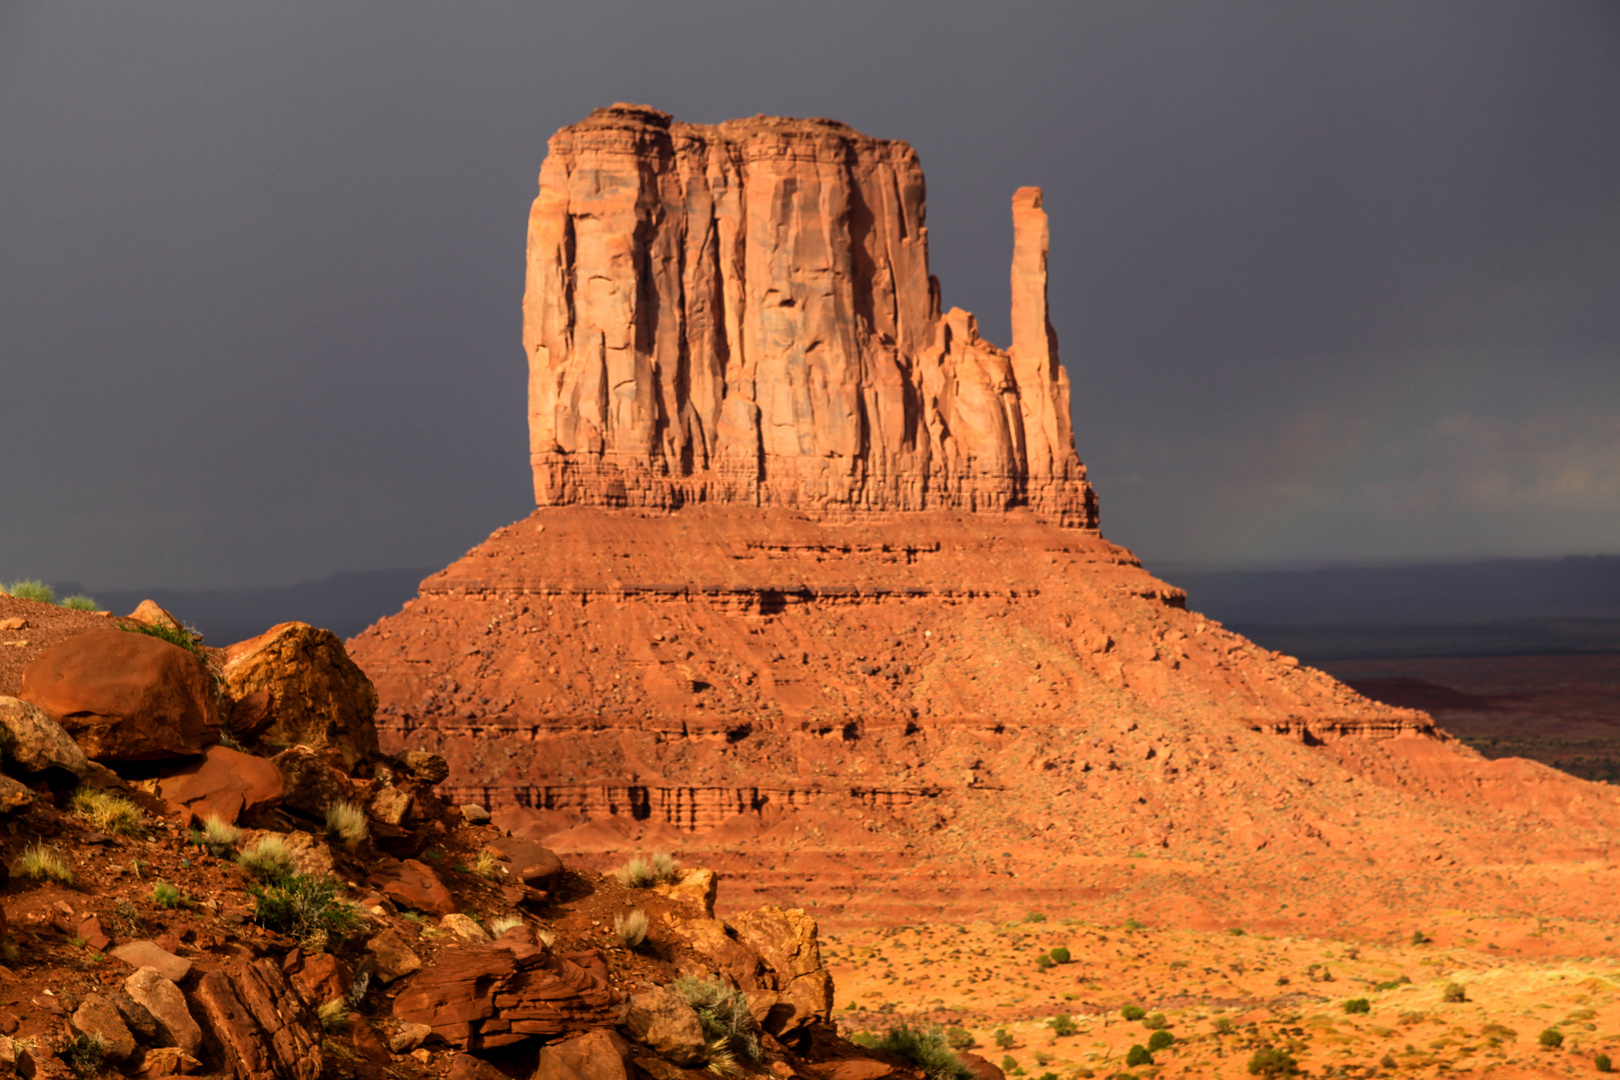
(595, 1055)
(479, 997)
(831, 668)
(294, 684)
(786, 346)
(265, 1030)
(413, 884)
(226, 784)
(152, 613)
(124, 696)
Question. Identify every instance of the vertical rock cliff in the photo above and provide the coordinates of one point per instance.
(743, 313)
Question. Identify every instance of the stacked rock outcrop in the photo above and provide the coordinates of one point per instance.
(743, 313)
(815, 581)
(143, 935)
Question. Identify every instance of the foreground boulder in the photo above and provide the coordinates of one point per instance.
(226, 784)
(478, 997)
(124, 696)
(595, 1055)
(264, 1027)
(295, 685)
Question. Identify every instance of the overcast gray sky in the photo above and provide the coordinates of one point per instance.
(1333, 282)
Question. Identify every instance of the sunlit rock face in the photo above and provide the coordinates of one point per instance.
(743, 312)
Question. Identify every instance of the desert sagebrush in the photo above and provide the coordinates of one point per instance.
(723, 1013)
(32, 589)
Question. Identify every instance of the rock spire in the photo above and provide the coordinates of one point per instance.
(743, 313)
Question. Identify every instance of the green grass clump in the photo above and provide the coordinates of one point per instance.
(500, 924)
(1133, 1012)
(1602, 1063)
(631, 928)
(32, 589)
(641, 873)
(1138, 1055)
(1154, 1022)
(81, 602)
(218, 836)
(1062, 1025)
(1358, 1005)
(1059, 955)
(723, 1013)
(303, 907)
(960, 1038)
(1392, 984)
(268, 860)
(165, 895)
(1552, 1038)
(334, 1016)
(347, 822)
(187, 638)
(40, 863)
(1454, 993)
(108, 812)
(928, 1048)
(1159, 1040)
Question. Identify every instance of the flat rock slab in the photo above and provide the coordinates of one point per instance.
(149, 954)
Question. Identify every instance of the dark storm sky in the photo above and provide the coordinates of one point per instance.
(1333, 282)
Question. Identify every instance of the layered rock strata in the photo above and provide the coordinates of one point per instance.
(815, 591)
(743, 313)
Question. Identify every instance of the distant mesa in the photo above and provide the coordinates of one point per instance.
(815, 593)
(743, 313)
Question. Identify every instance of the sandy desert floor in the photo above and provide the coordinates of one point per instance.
(1224, 995)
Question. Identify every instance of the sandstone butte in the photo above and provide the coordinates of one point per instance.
(815, 593)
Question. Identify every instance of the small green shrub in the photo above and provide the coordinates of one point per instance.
(960, 1038)
(1454, 993)
(1062, 1025)
(723, 1013)
(1270, 1061)
(1042, 962)
(928, 1048)
(1358, 1005)
(85, 1054)
(333, 1016)
(347, 822)
(1552, 1038)
(40, 863)
(268, 860)
(1392, 984)
(81, 602)
(1159, 1040)
(1224, 1026)
(1008, 1064)
(304, 907)
(32, 589)
(1602, 1063)
(187, 638)
(1059, 955)
(1138, 1055)
(1034, 916)
(1419, 938)
(108, 812)
(165, 895)
(1133, 1012)
(631, 928)
(665, 866)
(1004, 1039)
(1154, 1022)
(1133, 925)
